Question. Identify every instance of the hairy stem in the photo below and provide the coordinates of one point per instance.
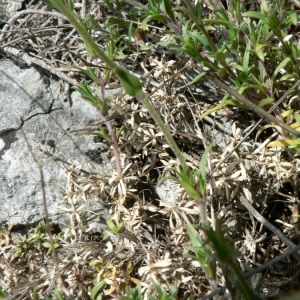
(114, 143)
(115, 68)
(145, 100)
(202, 211)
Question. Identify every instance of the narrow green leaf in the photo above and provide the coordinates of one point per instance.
(284, 143)
(238, 67)
(198, 77)
(131, 83)
(230, 101)
(87, 94)
(117, 21)
(246, 58)
(119, 131)
(255, 15)
(89, 72)
(273, 23)
(166, 7)
(90, 49)
(202, 252)
(210, 28)
(71, 5)
(260, 53)
(242, 89)
(167, 178)
(201, 38)
(210, 111)
(202, 169)
(191, 191)
(195, 239)
(180, 8)
(35, 292)
(295, 52)
(297, 117)
(105, 106)
(97, 288)
(158, 17)
(50, 3)
(159, 290)
(101, 133)
(294, 18)
(281, 66)
(58, 294)
(220, 57)
(287, 77)
(145, 48)
(265, 102)
(110, 224)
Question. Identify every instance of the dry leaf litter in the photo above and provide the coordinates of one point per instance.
(152, 243)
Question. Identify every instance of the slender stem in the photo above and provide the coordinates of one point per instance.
(47, 219)
(145, 100)
(113, 66)
(110, 127)
(203, 212)
(259, 269)
(245, 288)
(253, 106)
(199, 23)
(114, 143)
(266, 223)
(85, 35)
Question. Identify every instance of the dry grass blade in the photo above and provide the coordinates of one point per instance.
(47, 221)
(266, 223)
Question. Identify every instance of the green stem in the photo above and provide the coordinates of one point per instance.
(85, 35)
(198, 21)
(253, 106)
(115, 68)
(245, 288)
(202, 212)
(145, 100)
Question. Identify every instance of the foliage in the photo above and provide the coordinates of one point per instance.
(256, 59)
(36, 239)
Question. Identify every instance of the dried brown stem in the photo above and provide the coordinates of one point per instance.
(47, 222)
(114, 143)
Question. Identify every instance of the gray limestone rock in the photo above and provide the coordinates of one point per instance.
(31, 102)
(8, 8)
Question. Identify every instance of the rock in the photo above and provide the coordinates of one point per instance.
(8, 8)
(31, 104)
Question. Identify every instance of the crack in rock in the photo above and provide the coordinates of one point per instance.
(9, 135)
(31, 105)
